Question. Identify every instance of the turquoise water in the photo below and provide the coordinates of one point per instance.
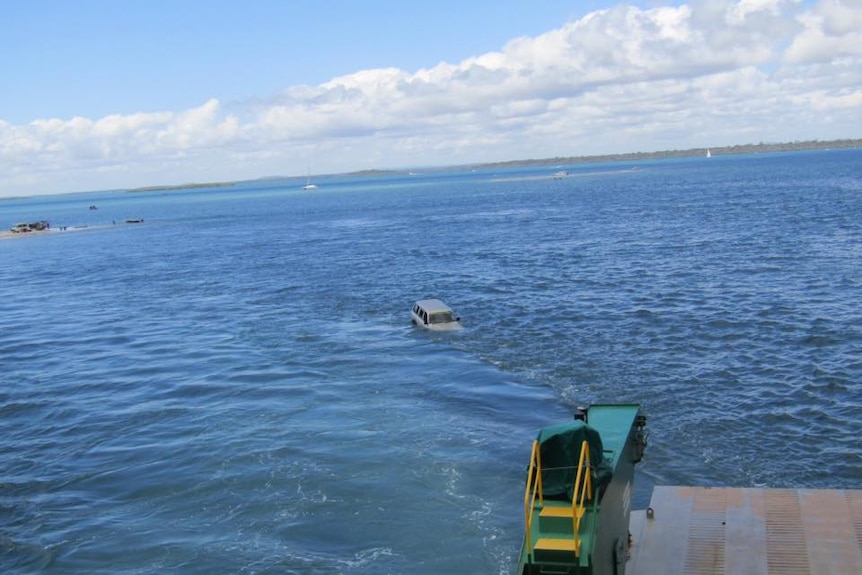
(233, 385)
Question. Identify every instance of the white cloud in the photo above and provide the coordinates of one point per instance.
(833, 29)
(711, 72)
(738, 12)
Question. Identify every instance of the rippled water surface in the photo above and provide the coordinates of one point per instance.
(233, 385)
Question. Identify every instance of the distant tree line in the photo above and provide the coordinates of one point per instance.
(717, 151)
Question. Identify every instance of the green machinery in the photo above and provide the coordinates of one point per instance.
(578, 496)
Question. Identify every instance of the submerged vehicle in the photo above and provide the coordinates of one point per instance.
(435, 315)
(578, 495)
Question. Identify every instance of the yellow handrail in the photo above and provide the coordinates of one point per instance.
(582, 493)
(534, 487)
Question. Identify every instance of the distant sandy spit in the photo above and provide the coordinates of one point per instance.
(10, 235)
(7, 235)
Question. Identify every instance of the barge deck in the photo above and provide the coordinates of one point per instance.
(747, 531)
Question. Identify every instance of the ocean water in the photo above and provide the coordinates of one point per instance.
(233, 385)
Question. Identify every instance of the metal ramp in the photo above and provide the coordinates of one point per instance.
(748, 531)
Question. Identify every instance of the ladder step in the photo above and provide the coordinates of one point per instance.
(556, 512)
(558, 519)
(554, 544)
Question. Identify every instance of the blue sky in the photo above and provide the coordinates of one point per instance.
(97, 57)
(113, 94)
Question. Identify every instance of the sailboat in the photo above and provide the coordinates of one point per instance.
(308, 185)
(708, 153)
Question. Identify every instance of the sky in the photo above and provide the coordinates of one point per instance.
(99, 94)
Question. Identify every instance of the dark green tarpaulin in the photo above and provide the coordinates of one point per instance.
(560, 450)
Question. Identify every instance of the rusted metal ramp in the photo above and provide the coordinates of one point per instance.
(741, 531)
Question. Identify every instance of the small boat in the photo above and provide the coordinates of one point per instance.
(561, 174)
(435, 315)
(308, 185)
(578, 497)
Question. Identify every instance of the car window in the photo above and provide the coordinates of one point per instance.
(441, 317)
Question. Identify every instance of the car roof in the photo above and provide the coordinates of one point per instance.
(433, 305)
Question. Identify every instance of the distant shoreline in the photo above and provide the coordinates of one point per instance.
(182, 187)
(808, 145)
(633, 156)
(692, 152)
